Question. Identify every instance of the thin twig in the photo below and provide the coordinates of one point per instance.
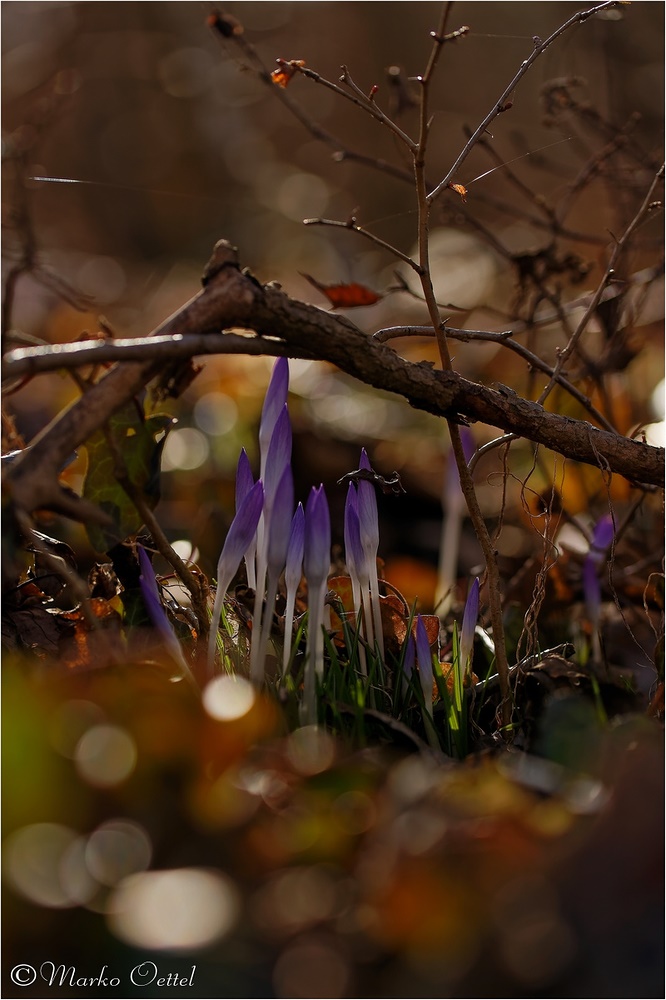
(647, 206)
(376, 112)
(351, 225)
(341, 150)
(499, 106)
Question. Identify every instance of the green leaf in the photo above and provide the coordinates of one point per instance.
(136, 440)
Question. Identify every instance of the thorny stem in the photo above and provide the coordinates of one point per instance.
(376, 112)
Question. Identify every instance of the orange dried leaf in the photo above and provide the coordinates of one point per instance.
(459, 189)
(346, 296)
(285, 71)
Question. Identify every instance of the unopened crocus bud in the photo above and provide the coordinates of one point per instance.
(317, 554)
(158, 616)
(368, 519)
(470, 618)
(354, 554)
(279, 454)
(295, 548)
(274, 401)
(240, 535)
(367, 511)
(281, 515)
(424, 657)
(244, 478)
(244, 483)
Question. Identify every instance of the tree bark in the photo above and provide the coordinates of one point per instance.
(232, 298)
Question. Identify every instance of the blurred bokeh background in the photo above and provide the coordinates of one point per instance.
(175, 141)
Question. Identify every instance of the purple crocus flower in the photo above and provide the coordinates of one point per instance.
(244, 478)
(453, 493)
(316, 563)
(424, 657)
(278, 540)
(358, 570)
(244, 483)
(602, 538)
(292, 576)
(470, 618)
(353, 550)
(240, 534)
(295, 548)
(317, 551)
(367, 509)
(281, 515)
(278, 456)
(274, 401)
(369, 530)
(155, 608)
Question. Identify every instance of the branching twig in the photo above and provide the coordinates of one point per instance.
(499, 106)
(647, 206)
(351, 225)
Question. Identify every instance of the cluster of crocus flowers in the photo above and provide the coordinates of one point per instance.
(274, 539)
(279, 541)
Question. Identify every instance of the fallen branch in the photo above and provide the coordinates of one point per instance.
(231, 298)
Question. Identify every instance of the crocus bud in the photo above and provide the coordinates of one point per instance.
(295, 547)
(317, 554)
(244, 478)
(158, 616)
(470, 618)
(367, 512)
(281, 515)
(279, 454)
(274, 401)
(239, 537)
(424, 657)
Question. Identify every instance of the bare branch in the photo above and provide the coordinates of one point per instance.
(499, 106)
(351, 225)
(231, 298)
(505, 339)
(645, 209)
